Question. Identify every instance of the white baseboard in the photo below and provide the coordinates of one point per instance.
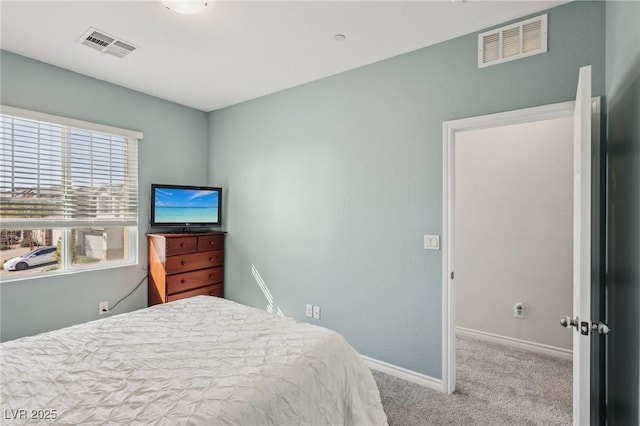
(516, 343)
(403, 373)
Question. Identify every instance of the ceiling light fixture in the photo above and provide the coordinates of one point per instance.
(339, 37)
(185, 7)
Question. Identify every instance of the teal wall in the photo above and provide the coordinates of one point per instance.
(623, 222)
(331, 185)
(175, 140)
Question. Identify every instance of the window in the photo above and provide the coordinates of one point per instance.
(68, 195)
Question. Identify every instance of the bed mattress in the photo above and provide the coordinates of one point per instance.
(202, 360)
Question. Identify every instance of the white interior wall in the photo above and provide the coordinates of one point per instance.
(513, 230)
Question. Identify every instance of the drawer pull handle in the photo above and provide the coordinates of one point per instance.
(182, 262)
(182, 281)
(211, 259)
(210, 276)
(182, 245)
(211, 243)
(210, 293)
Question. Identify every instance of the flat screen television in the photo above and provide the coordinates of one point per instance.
(185, 206)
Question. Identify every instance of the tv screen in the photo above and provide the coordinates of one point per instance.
(178, 205)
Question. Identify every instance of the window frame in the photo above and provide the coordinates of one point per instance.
(66, 225)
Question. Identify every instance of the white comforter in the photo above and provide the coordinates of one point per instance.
(203, 360)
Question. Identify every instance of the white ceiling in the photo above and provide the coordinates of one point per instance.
(237, 50)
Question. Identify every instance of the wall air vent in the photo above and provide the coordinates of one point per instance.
(513, 41)
(100, 41)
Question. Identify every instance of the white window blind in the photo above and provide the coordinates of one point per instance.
(57, 172)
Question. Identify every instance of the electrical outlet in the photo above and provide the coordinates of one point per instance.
(103, 308)
(309, 310)
(316, 312)
(518, 310)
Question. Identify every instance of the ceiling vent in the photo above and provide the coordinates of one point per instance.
(100, 41)
(513, 41)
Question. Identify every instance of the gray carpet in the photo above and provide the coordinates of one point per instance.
(495, 385)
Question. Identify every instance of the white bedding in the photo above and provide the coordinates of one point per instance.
(196, 361)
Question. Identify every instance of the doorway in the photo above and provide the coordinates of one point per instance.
(451, 131)
(513, 225)
(513, 220)
(588, 293)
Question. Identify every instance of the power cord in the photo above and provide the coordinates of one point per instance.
(130, 293)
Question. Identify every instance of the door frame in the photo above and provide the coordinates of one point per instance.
(449, 131)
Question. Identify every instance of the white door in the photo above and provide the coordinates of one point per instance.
(582, 249)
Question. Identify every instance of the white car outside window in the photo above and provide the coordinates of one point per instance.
(39, 256)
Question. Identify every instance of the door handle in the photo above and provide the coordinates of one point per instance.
(583, 328)
(570, 322)
(600, 327)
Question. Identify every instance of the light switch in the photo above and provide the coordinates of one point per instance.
(432, 242)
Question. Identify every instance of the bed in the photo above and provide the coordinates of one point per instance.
(197, 361)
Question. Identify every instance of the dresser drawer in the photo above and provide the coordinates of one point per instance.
(210, 242)
(189, 280)
(210, 290)
(181, 245)
(193, 261)
(183, 265)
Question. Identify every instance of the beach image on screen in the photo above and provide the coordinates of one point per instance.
(178, 205)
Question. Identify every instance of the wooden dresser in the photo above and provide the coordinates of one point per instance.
(185, 265)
